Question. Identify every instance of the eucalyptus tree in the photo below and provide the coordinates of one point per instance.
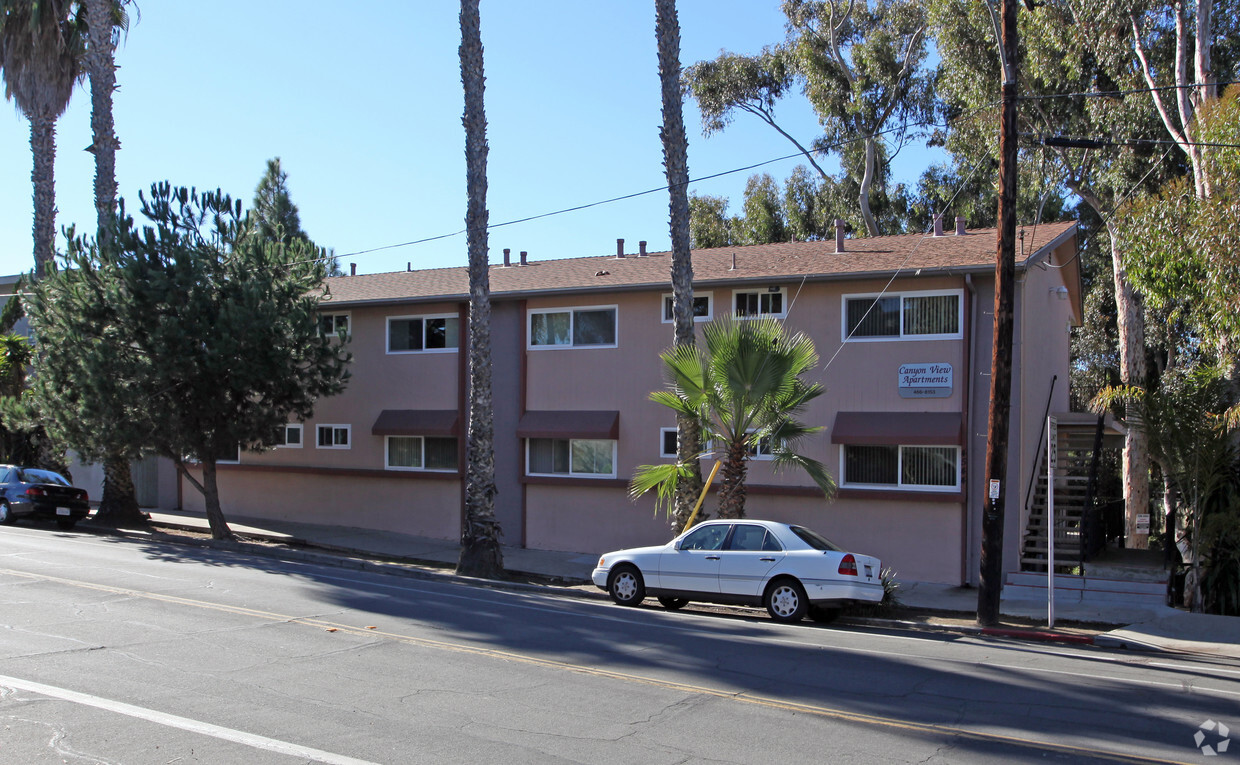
(481, 554)
(1062, 64)
(709, 223)
(764, 219)
(676, 167)
(862, 67)
(40, 56)
(747, 390)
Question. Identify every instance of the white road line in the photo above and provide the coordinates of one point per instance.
(184, 723)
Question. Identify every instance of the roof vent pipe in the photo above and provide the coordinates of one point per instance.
(620, 248)
(938, 225)
(352, 269)
(524, 262)
(960, 225)
(733, 261)
(507, 257)
(409, 265)
(839, 235)
(641, 249)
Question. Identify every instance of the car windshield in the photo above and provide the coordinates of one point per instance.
(33, 475)
(815, 540)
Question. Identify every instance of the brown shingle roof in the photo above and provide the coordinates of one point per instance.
(873, 256)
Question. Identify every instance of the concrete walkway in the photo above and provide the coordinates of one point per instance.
(1137, 627)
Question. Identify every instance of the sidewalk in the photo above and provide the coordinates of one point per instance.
(1135, 627)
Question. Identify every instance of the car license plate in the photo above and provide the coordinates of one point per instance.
(62, 511)
(869, 572)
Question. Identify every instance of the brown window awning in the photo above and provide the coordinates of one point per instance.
(416, 422)
(575, 424)
(888, 428)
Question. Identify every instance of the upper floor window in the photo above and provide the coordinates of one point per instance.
(703, 307)
(668, 443)
(593, 326)
(583, 457)
(911, 315)
(333, 436)
(289, 436)
(421, 453)
(929, 468)
(768, 302)
(414, 334)
(334, 323)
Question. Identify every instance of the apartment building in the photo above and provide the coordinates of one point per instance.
(903, 325)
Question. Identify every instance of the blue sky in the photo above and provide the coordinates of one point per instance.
(364, 110)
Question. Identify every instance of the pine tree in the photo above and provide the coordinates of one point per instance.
(204, 334)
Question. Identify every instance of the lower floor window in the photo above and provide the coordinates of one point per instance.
(421, 453)
(595, 458)
(904, 467)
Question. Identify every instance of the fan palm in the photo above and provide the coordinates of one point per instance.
(40, 51)
(746, 391)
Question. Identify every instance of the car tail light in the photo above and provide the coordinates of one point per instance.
(35, 491)
(86, 496)
(848, 565)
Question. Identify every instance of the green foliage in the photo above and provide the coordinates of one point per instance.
(187, 337)
(764, 215)
(709, 224)
(1184, 251)
(746, 391)
(276, 218)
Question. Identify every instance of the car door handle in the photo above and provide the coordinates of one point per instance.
(768, 560)
(712, 557)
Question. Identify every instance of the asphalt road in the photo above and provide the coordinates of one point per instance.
(121, 651)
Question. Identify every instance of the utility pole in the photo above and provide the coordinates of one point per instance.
(994, 504)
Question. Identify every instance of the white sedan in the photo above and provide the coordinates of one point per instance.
(790, 570)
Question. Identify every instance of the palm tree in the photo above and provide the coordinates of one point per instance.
(480, 549)
(746, 391)
(40, 50)
(104, 20)
(676, 165)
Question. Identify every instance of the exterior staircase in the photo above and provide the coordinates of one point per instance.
(1129, 577)
(1075, 447)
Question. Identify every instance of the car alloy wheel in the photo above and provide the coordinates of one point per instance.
(786, 601)
(6, 515)
(626, 586)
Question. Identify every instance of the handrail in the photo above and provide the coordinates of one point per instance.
(1033, 474)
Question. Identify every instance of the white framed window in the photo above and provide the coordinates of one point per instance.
(435, 333)
(229, 456)
(579, 457)
(667, 443)
(290, 436)
(923, 468)
(432, 453)
(334, 323)
(771, 301)
(761, 450)
(333, 436)
(584, 327)
(703, 307)
(926, 315)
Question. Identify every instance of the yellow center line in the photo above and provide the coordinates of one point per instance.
(831, 713)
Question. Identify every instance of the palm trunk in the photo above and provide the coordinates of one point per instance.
(43, 175)
(732, 490)
(119, 506)
(481, 554)
(676, 166)
(101, 64)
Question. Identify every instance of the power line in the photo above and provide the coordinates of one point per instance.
(1114, 93)
(1071, 142)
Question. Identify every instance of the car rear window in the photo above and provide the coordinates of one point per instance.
(815, 540)
(32, 475)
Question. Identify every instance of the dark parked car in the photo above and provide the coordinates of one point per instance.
(26, 491)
